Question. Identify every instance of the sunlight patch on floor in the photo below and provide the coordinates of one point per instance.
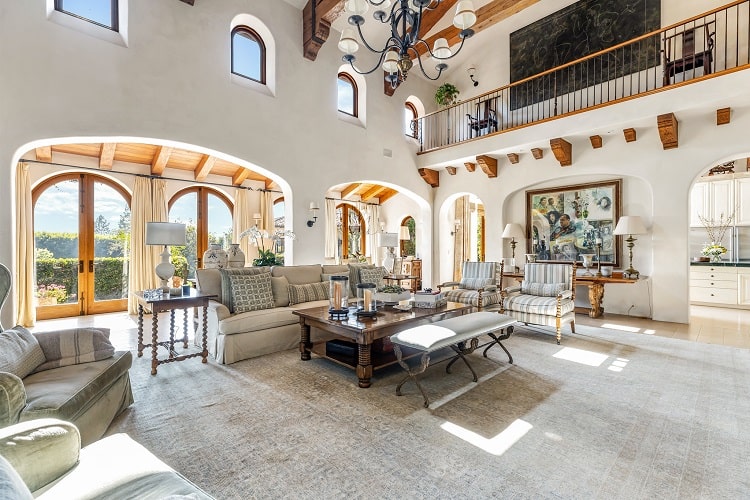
(618, 365)
(588, 358)
(496, 445)
(623, 328)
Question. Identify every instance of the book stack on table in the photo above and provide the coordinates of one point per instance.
(429, 300)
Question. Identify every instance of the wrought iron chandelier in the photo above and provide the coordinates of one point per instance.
(405, 21)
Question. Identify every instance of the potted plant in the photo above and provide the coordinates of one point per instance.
(446, 94)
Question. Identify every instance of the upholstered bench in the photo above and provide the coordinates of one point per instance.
(453, 333)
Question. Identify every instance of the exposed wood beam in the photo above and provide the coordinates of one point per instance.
(513, 158)
(268, 183)
(596, 141)
(629, 134)
(488, 165)
(451, 170)
(667, 124)
(317, 17)
(387, 195)
(160, 160)
(723, 116)
(373, 192)
(107, 155)
(44, 153)
(351, 188)
(563, 151)
(240, 175)
(204, 167)
(431, 177)
(470, 166)
(537, 153)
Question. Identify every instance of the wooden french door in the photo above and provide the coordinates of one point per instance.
(82, 238)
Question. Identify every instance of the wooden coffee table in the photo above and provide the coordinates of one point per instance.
(364, 331)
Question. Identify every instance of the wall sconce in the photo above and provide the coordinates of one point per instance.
(456, 226)
(314, 211)
(472, 71)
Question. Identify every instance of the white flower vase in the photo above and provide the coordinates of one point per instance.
(215, 257)
(235, 256)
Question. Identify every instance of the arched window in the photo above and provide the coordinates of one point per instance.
(100, 12)
(350, 226)
(411, 126)
(347, 92)
(408, 247)
(248, 54)
(279, 223)
(207, 213)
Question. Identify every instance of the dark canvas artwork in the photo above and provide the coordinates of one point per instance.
(576, 31)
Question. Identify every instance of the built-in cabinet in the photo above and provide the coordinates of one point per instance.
(742, 193)
(713, 199)
(743, 286)
(720, 285)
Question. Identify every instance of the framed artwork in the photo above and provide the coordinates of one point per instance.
(566, 222)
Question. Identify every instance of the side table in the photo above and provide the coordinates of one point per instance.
(166, 302)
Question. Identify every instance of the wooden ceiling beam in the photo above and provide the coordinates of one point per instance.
(451, 170)
(387, 195)
(667, 124)
(537, 153)
(204, 167)
(431, 177)
(161, 158)
(513, 158)
(630, 135)
(240, 175)
(596, 141)
(107, 155)
(373, 192)
(470, 166)
(723, 116)
(350, 189)
(44, 153)
(317, 17)
(488, 165)
(563, 151)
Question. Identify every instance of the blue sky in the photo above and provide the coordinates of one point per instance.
(99, 11)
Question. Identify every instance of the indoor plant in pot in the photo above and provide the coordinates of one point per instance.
(446, 94)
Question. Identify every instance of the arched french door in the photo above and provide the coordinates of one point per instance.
(81, 239)
(350, 226)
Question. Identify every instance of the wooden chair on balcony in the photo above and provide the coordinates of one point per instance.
(485, 117)
(680, 58)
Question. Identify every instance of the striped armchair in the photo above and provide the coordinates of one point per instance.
(479, 286)
(545, 297)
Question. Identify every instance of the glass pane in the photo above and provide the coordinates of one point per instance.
(111, 243)
(355, 234)
(98, 11)
(340, 232)
(246, 56)
(219, 222)
(56, 244)
(279, 226)
(185, 211)
(346, 96)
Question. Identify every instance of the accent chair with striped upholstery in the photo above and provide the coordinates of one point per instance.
(479, 285)
(546, 296)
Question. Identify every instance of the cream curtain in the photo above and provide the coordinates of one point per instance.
(25, 282)
(372, 216)
(266, 211)
(149, 204)
(242, 219)
(462, 239)
(331, 243)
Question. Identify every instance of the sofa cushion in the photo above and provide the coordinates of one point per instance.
(209, 281)
(68, 391)
(20, 352)
(542, 289)
(226, 284)
(334, 269)
(251, 292)
(11, 484)
(475, 283)
(280, 290)
(299, 275)
(354, 278)
(374, 275)
(254, 321)
(71, 347)
(534, 304)
(308, 293)
(12, 399)
(327, 276)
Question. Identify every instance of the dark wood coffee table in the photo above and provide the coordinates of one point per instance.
(364, 331)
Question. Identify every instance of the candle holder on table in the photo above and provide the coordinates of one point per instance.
(366, 303)
(599, 258)
(338, 297)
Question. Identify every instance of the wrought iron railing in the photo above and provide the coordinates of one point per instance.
(703, 46)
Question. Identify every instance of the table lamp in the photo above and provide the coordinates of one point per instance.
(389, 241)
(165, 233)
(630, 225)
(513, 231)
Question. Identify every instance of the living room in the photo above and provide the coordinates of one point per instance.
(168, 84)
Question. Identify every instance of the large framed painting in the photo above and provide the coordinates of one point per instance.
(566, 222)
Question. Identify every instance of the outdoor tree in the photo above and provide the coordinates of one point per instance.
(101, 225)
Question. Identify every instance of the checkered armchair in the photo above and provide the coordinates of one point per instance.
(479, 286)
(546, 296)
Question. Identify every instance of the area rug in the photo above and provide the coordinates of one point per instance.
(607, 414)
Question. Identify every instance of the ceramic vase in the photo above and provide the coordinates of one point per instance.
(215, 257)
(235, 256)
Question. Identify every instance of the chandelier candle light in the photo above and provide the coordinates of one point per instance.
(404, 19)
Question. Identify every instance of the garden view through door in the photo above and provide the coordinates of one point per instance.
(82, 238)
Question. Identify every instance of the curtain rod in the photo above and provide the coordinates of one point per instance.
(149, 176)
(352, 201)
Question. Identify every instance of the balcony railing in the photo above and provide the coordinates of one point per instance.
(710, 44)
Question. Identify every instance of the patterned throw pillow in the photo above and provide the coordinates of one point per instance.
(308, 292)
(73, 347)
(20, 352)
(374, 275)
(354, 280)
(226, 282)
(251, 292)
(475, 283)
(542, 289)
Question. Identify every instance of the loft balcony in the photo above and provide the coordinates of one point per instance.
(703, 47)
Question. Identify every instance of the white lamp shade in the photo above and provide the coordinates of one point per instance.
(513, 231)
(313, 206)
(441, 50)
(403, 233)
(465, 16)
(348, 42)
(356, 7)
(630, 224)
(387, 239)
(390, 63)
(165, 233)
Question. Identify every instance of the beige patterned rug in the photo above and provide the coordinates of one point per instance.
(608, 414)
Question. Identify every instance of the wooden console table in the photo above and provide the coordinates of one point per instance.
(595, 285)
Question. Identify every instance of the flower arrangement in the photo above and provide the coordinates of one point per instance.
(52, 293)
(267, 257)
(716, 231)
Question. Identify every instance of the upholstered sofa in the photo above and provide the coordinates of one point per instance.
(262, 324)
(44, 458)
(74, 375)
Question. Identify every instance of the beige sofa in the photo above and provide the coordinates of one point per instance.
(234, 336)
(44, 458)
